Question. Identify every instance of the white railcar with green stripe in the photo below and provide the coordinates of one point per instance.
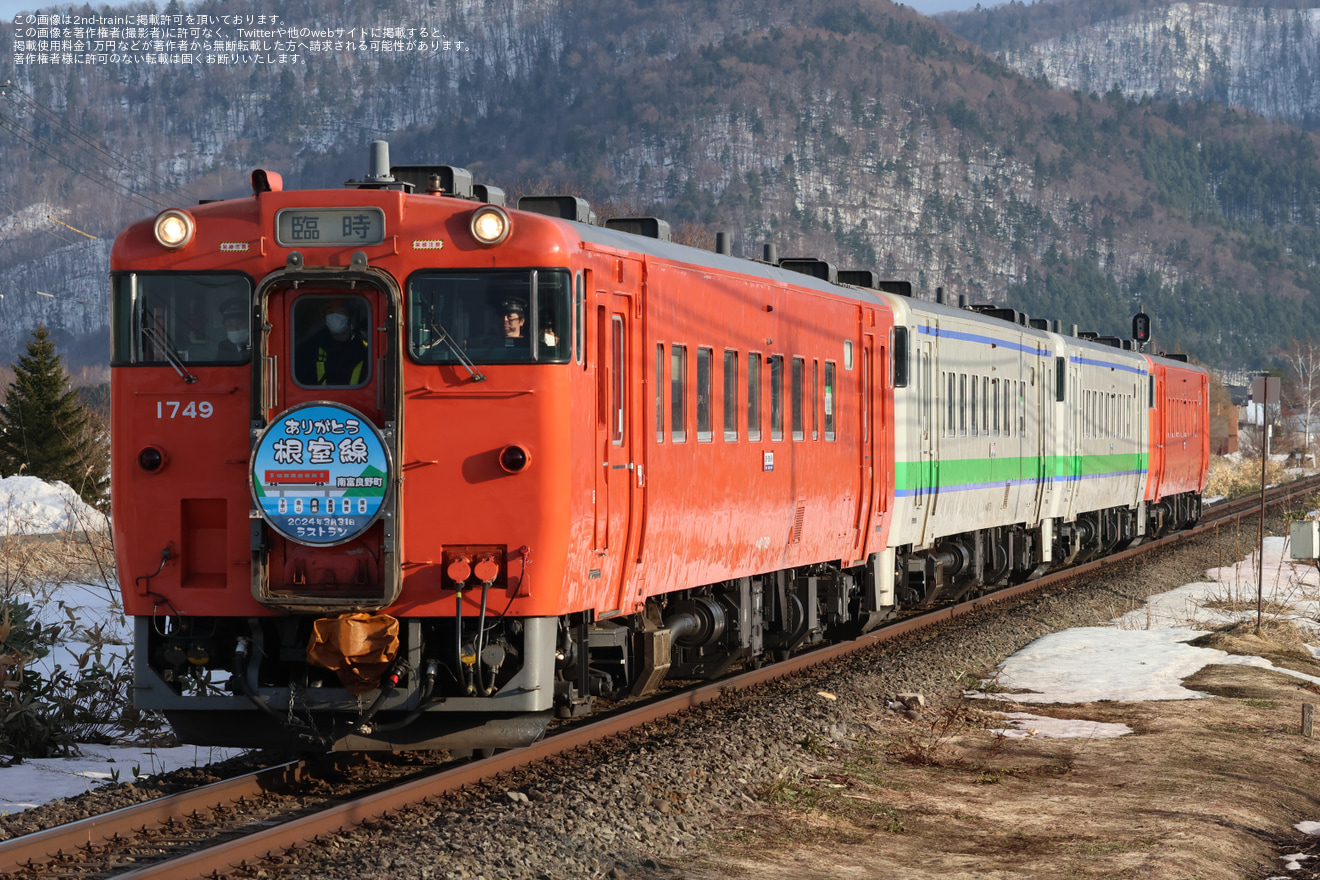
(1013, 445)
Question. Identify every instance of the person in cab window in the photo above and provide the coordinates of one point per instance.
(549, 338)
(513, 317)
(234, 318)
(337, 353)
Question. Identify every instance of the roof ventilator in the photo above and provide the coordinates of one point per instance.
(649, 227)
(564, 207)
(811, 266)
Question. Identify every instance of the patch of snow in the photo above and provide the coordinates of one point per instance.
(1027, 725)
(31, 506)
(36, 781)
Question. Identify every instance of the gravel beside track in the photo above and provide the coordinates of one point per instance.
(644, 802)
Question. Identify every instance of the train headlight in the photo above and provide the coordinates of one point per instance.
(174, 229)
(514, 459)
(489, 225)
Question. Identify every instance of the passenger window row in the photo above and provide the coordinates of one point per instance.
(811, 396)
(982, 406)
(1108, 415)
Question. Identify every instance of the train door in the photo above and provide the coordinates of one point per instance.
(926, 487)
(1038, 420)
(617, 371)
(1076, 408)
(1155, 415)
(324, 456)
(866, 386)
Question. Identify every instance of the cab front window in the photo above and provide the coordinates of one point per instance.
(176, 318)
(490, 316)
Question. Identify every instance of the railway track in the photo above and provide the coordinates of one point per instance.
(221, 826)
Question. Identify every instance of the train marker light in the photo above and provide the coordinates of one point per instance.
(489, 225)
(151, 459)
(174, 229)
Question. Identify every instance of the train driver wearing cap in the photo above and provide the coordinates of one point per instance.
(513, 317)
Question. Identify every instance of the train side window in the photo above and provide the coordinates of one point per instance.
(994, 406)
(618, 357)
(753, 396)
(974, 411)
(659, 392)
(580, 321)
(730, 395)
(1008, 407)
(1022, 409)
(677, 393)
(962, 404)
(828, 403)
(776, 397)
(847, 355)
(985, 405)
(1060, 379)
(900, 347)
(815, 413)
(951, 423)
(704, 358)
(1151, 403)
(799, 417)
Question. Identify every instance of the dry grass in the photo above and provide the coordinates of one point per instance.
(1231, 480)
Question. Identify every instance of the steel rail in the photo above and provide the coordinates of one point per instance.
(270, 842)
(42, 846)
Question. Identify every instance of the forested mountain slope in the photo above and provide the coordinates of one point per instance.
(1264, 57)
(859, 132)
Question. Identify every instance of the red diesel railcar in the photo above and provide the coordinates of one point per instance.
(520, 428)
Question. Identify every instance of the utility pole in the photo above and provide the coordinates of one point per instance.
(1265, 391)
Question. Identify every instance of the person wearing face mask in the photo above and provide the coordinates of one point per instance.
(337, 353)
(236, 345)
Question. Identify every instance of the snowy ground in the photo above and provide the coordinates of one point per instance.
(1144, 655)
(31, 506)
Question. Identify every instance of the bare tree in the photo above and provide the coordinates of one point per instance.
(1303, 361)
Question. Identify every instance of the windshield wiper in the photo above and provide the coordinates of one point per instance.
(171, 355)
(438, 330)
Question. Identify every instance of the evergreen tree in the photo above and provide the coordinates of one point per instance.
(44, 431)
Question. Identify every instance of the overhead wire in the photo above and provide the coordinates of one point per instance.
(79, 153)
(103, 154)
(71, 162)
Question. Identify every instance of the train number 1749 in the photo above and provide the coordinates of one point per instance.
(174, 409)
